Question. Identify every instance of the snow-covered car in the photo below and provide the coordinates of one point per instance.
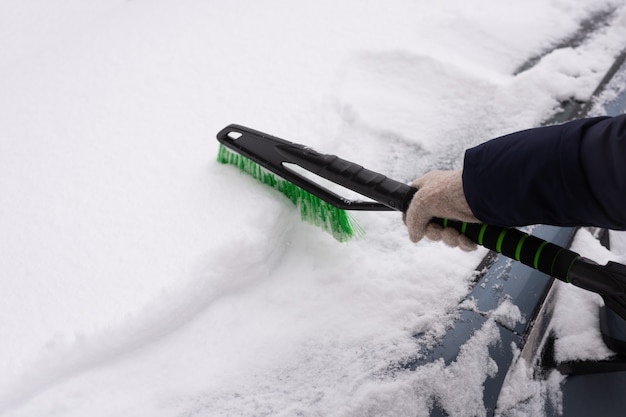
(140, 278)
(556, 350)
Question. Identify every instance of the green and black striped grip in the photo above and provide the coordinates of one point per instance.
(530, 250)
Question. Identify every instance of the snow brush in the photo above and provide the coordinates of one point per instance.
(287, 166)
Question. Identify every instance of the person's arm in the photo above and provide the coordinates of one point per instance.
(572, 174)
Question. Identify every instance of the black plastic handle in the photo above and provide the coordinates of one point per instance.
(393, 194)
(563, 264)
(530, 250)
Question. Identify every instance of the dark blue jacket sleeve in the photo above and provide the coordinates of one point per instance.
(572, 174)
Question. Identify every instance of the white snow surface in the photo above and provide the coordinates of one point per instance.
(141, 278)
(575, 321)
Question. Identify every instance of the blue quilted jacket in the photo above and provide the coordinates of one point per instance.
(572, 174)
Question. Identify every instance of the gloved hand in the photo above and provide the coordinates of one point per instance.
(440, 194)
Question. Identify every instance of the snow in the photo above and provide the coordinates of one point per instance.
(576, 322)
(575, 326)
(140, 277)
(523, 394)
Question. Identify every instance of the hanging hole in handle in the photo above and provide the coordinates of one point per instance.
(234, 135)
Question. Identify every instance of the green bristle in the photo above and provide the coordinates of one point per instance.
(312, 209)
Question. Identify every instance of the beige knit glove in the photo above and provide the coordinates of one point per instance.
(440, 194)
